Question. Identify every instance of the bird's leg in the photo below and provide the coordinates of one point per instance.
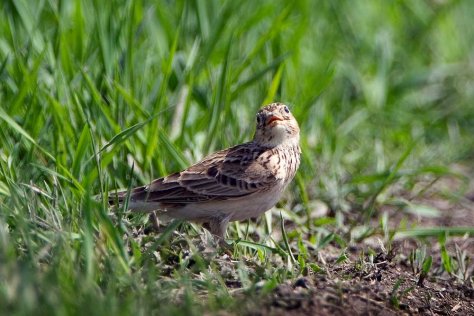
(155, 222)
(217, 226)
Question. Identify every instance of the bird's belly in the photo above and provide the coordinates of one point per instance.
(249, 208)
(237, 209)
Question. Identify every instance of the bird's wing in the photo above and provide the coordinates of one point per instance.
(226, 174)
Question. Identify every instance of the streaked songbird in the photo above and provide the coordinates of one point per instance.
(233, 184)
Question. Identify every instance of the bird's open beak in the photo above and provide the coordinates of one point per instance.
(273, 118)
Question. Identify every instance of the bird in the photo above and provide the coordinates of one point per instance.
(233, 184)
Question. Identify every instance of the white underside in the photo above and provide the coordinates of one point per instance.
(237, 209)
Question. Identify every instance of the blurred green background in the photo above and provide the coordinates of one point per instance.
(383, 92)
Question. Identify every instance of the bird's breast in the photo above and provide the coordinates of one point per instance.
(282, 162)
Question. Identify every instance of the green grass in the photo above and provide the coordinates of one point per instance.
(99, 95)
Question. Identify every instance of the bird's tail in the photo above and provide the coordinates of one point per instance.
(117, 198)
(137, 199)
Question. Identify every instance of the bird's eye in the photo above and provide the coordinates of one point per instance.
(259, 119)
(287, 110)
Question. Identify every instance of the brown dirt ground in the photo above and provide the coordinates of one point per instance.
(355, 288)
(361, 286)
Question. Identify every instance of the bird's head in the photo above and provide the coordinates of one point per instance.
(276, 125)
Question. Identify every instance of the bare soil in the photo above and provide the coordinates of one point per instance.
(357, 288)
(387, 283)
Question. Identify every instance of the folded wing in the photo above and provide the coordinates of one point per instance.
(227, 174)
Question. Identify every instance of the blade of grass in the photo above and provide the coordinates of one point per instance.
(274, 86)
(220, 100)
(433, 232)
(81, 150)
(285, 239)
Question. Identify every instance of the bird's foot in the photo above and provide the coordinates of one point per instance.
(225, 247)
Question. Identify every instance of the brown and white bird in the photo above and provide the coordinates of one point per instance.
(233, 184)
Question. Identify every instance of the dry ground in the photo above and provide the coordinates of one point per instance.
(386, 283)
